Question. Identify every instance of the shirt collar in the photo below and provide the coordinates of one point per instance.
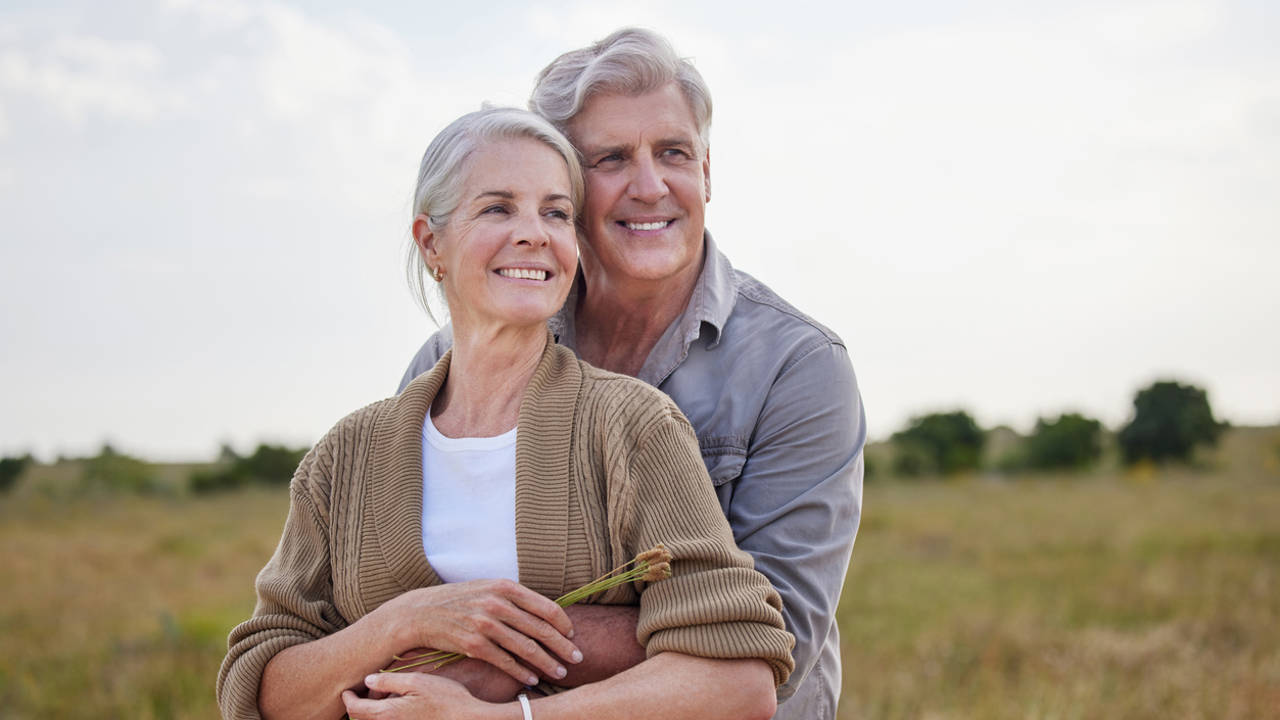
(708, 310)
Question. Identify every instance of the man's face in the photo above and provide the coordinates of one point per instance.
(647, 185)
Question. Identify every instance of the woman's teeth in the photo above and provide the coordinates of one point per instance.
(523, 273)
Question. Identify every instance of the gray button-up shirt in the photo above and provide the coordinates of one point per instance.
(775, 404)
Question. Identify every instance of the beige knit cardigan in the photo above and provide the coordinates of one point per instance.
(606, 466)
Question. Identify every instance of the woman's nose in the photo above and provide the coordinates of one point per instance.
(530, 229)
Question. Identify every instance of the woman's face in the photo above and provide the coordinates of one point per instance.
(509, 252)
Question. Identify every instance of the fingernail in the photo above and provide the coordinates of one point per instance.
(572, 632)
(533, 680)
(370, 679)
(577, 656)
(560, 671)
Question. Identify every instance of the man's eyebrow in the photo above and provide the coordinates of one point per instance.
(676, 140)
(588, 150)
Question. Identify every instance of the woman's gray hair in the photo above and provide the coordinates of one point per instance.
(440, 176)
(631, 61)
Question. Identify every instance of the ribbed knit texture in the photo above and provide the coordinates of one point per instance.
(606, 466)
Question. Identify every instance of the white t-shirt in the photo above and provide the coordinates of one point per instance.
(469, 505)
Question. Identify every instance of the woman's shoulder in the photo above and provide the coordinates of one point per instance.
(622, 398)
(314, 475)
(358, 423)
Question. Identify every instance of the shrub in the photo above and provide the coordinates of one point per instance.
(938, 443)
(11, 468)
(271, 464)
(1169, 420)
(116, 472)
(268, 465)
(1072, 441)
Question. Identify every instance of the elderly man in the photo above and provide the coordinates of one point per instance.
(770, 392)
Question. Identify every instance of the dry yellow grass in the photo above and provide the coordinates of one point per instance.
(1148, 594)
(118, 606)
(1134, 595)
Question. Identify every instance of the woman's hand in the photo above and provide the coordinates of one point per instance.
(413, 695)
(498, 621)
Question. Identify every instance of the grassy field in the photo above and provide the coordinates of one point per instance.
(1146, 594)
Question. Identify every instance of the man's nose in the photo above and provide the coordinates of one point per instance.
(648, 184)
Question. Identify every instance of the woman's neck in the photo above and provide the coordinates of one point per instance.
(488, 374)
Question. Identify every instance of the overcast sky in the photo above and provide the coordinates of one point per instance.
(1014, 208)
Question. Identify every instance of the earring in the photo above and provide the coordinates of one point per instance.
(437, 274)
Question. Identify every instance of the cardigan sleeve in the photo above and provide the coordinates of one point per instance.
(715, 604)
(295, 593)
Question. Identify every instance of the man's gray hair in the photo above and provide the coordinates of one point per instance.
(440, 176)
(631, 61)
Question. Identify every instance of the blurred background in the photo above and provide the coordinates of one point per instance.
(1047, 232)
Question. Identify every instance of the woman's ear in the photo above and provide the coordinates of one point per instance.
(427, 241)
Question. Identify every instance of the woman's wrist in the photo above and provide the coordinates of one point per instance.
(389, 629)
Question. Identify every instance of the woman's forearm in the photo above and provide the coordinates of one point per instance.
(673, 686)
(307, 680)
(498, 621)
(669, 685)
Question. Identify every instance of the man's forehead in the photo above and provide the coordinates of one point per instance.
(612, 119)
(602, 134)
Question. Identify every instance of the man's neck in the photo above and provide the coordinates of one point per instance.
(616, 327)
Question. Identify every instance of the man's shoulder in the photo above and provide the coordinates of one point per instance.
(761, 317)
(431, 351)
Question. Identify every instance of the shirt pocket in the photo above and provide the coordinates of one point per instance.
(724, 458)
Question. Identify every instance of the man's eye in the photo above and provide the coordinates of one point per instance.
(610, 159)
(675, 153)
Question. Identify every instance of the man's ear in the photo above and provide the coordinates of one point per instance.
(706, 175)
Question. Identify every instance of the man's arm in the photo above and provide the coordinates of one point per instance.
(796, 505)
(606, 635)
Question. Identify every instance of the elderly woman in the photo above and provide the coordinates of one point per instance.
(511, 473)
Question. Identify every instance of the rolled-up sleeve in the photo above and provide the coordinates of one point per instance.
(715, 604)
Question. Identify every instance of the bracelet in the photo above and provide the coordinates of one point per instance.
(524, 706)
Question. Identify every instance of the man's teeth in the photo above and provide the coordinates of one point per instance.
(648, 225)
(523, 273)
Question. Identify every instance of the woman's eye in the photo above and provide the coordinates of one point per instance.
(499, 209)
(558, 214)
